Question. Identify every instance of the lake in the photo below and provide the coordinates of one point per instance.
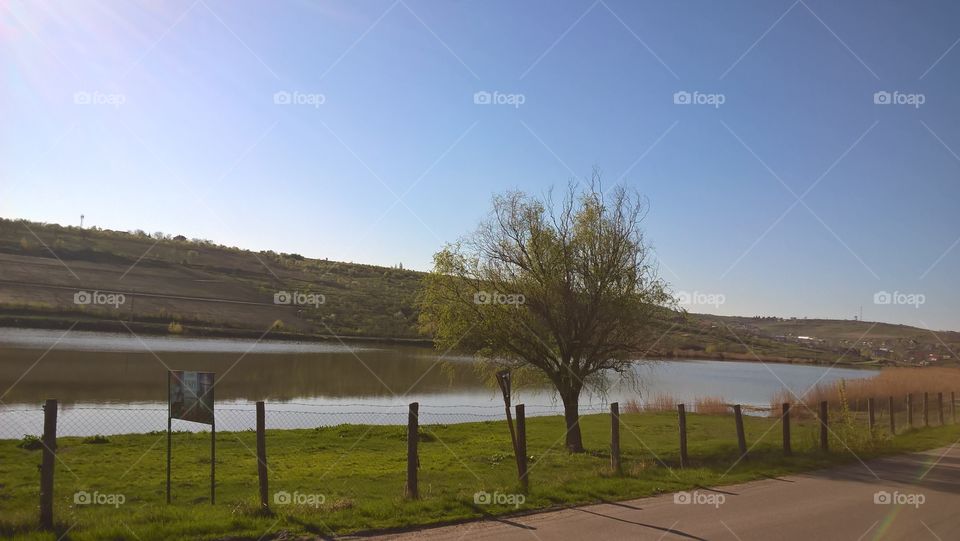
(115, 383)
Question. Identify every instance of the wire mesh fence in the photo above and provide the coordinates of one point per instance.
(338, 455)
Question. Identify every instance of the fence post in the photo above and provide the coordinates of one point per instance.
(871, 418)
(262, 456)
(615, 438)
(413, 434)
(787, 451)
(741, 437)
(49, 440)
(682, 415)
(522, 447)
(926, 410)
(893, 422)
(824, 443)
(940, 407)
(910, 410)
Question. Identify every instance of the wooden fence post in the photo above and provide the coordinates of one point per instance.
(926, 410)
(871, 416)
(682, 416)
(824, 442)
(522, 447)
(787, 451)
(910, 410)
(741, 437)
(413, 435)
(615, 438)
(893, 421)
(940, 407)
(49, 441)
(262, 456)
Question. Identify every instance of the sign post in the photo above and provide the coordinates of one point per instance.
(190, 398)
(503, 380)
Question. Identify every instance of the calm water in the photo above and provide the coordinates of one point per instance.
(114, 383)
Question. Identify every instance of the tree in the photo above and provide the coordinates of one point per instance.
(565, 292)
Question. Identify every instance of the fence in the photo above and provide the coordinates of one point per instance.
(266, 445)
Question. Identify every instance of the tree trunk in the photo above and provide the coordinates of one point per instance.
(571, 414)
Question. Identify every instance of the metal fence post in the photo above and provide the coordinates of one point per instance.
(682, 415)
(49, 441)
(741, 436)
(262, 456)
(522, 447)
(787, 451)
(413, 430)
(615, 438)
(824, 443)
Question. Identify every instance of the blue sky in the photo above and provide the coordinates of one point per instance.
(162, 117)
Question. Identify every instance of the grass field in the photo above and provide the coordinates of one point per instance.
(360, 470)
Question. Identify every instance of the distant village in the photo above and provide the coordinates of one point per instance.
(904, 351)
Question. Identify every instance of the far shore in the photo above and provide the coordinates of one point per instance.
(191, 331)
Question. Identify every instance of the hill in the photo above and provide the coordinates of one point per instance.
(56, 276)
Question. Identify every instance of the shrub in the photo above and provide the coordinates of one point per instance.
(30, 443)
(174, 328)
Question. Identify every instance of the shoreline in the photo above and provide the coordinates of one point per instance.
(190, 331)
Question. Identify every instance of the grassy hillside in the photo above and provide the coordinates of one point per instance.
(195, 283)
(193, 286)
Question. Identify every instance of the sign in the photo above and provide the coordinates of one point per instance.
(191, 396)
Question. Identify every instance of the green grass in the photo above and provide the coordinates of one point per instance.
(360, 470)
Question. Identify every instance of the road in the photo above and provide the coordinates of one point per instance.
(835, 504)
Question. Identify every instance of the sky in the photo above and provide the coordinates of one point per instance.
(800, 158)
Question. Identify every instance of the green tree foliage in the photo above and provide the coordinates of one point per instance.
(566, 291)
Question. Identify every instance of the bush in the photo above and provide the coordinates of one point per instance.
(98, 439)
(30, 443)
(174, 328)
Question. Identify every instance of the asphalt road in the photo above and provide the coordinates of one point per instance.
(848, 503)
